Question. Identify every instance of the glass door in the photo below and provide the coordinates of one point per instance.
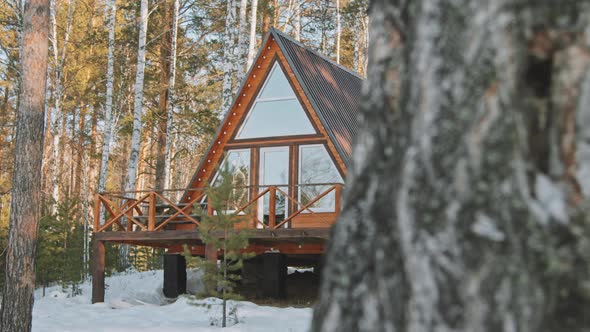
(274, 171)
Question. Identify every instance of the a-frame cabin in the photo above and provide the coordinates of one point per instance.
(286, 140)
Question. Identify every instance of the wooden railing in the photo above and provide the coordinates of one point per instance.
(155, 210)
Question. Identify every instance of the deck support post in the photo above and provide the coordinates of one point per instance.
(250, 271)
(98, 266)
(273, 282)
(174, 275)
(210, 253)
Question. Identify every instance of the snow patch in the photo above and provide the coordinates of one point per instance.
(485, 227)
(134, 303)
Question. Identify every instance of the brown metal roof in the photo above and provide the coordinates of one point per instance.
(334, 91)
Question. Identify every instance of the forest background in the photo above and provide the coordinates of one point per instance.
(194, 52)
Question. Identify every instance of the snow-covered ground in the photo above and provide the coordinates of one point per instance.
(134, 302)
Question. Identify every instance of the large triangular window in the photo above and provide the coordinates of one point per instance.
(276, 111)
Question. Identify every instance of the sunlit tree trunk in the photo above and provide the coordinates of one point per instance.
(108, 109)
(133, 162)
(265, 8)
(170, 110)
(229, 59)
(25, 206)
(252, 44)
(297, 20)
(167, 8)
(457, 216)
(138, 100)
(361, 40)
(242, 49)
(338, 31)
(59, 63)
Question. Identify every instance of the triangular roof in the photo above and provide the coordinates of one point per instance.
(331, 90)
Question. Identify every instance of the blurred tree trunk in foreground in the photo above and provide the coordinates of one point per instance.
(466, 205)
(25, 207)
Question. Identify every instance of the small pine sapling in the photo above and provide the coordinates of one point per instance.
(220, 232)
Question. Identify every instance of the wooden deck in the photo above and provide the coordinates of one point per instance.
(151, 211)
(150, 218)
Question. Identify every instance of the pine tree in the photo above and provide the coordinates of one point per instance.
(219, 233)
(25, 205)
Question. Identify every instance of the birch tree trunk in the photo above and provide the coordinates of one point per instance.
(58, 95)
(55, 114)
(170, 110)
(108, 110)
(228, 57)
(252, 43)
(242, 48)
(455, 218)
(25, 206)
(297, 19)
(360, 40)
(338, 31)
(138, 99)
(133, 162)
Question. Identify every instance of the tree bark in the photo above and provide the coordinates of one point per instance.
(338, 31)
(59, 63)
(252, 43)
(164, 99)
(452, 220)
(133, 162)
(138, 99)
(108, 111)
(25, 206)
(242, 49)
(297, 19)
(171, 85)
(229, 59)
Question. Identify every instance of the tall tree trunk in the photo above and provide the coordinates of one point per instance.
(171, 85)
(252, 43)
(55, 114)
(162, 112)
(138, 99)
(228, 57)
(108, 110)
(360, 39)
(242, 49)
(59, 63)
(25, 206)
(266, 11)
(79, 151)
(338, 31)
(133, 162)
(297, 19)
(450, 220)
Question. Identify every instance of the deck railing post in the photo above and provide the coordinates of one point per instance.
(129, 214)
(96, 213)
(272, 205)
(338, 199)
(152, 212)
(98, 267)
(209, 206)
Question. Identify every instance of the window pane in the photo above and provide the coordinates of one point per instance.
(238, 165)
(274, 170)
(276, 118)
(316, 166)
(277, 85)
